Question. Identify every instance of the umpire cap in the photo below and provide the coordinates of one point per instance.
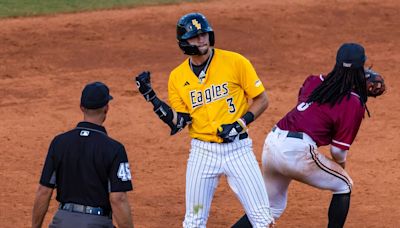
(95, 95)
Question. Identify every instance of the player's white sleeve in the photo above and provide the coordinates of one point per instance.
(338, 154)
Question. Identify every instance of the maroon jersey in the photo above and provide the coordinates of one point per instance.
(337, 125)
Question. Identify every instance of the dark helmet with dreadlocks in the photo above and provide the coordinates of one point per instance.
(347, 76)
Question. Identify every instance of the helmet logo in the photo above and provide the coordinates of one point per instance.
(196, 24)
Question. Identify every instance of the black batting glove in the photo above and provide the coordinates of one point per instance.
(228, 132)
(144, 85)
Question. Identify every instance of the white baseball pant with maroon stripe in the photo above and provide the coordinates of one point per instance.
(286, 158)
(207, 162)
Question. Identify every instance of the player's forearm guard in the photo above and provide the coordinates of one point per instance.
(166, 114)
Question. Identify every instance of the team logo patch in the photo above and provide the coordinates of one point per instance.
(196, 24)
(84, 133)
(257, 83)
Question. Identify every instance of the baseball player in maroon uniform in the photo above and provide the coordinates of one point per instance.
(329, 111)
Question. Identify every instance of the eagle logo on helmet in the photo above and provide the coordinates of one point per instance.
(196, 24)
(189, 26)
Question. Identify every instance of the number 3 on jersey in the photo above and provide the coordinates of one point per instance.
(232, 108)
(124, 173)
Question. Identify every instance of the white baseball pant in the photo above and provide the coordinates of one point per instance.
(207, 162)
(285, 158)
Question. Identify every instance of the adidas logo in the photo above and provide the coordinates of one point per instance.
(186, 83)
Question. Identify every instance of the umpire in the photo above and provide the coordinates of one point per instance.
(89, 169)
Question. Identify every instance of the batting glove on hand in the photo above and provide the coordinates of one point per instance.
(228, 132)
(144, 85)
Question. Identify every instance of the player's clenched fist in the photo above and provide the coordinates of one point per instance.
(144, 85)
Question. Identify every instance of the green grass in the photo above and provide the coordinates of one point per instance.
(17, 8)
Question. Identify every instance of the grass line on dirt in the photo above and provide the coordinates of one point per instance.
(18, 8)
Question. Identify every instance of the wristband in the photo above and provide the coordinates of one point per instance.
(242, 123)
(248, 117)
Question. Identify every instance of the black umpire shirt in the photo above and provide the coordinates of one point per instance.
(84, 164)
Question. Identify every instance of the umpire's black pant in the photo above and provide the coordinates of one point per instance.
(66, 219)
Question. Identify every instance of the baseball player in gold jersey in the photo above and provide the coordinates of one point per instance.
(209, 92)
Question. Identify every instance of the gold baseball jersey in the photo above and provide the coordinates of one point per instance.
(220, 98)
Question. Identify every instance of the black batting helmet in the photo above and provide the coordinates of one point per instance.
(189, 26)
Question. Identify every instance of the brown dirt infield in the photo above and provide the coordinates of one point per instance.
(46, 61)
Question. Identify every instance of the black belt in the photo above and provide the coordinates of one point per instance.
(241, 136)
(72, 207)
(292, 134)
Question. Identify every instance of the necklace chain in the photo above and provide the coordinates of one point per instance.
(202, 74)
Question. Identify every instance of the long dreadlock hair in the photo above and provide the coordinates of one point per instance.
(339, 83)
